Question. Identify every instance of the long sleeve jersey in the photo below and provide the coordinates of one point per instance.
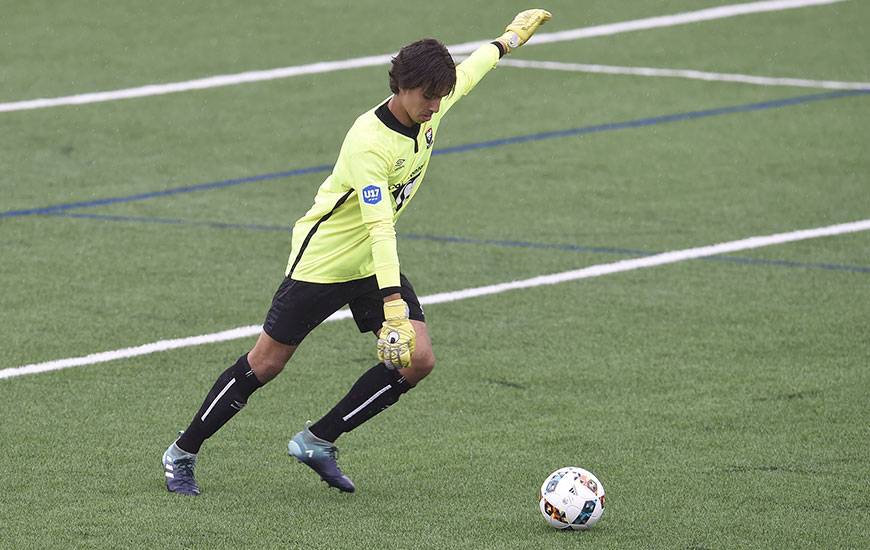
(349, 232)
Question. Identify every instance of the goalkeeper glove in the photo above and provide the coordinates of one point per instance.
(522, 28)
(396, 339)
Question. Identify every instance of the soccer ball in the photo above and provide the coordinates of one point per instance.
(572, 498)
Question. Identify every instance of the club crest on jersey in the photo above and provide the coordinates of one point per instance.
(371, 194)
(428, 137)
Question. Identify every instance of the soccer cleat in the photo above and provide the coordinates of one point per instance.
(178, 470)
(320, 456)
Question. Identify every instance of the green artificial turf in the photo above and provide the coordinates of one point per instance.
(722, 402)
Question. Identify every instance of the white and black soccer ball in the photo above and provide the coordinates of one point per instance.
(572, 498)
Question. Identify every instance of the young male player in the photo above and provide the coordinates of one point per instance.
(344, 253)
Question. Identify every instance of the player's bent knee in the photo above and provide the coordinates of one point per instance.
(266, 368)
(423, 363)
(269, 357)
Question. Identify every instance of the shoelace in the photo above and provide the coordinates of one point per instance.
(183, 468)
(332, 471)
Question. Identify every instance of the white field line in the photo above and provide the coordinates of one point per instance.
(687, 73)
(464, 48)
(708, 14)
(555, 278)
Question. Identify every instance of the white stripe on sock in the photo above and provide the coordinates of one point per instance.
(368, 402)
(221, 394)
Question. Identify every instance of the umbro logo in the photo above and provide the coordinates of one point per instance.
(399, 163)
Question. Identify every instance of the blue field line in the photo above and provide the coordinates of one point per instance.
(166, 192)
(640, 123)
(527, 244)
(637, 123)
(789, 263)
(465, 240)
(171, 221)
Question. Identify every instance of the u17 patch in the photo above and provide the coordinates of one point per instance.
(371, 194)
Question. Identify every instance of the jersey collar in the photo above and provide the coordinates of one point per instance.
(390, 121)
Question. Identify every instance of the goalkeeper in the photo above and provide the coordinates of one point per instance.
(344, 253)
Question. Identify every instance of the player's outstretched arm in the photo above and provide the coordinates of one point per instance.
(522, 28)
(485, 58)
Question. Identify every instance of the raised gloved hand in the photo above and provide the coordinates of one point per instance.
(522, 28)
(396, 338)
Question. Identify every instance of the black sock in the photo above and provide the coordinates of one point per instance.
(227, 397)
(374, 391)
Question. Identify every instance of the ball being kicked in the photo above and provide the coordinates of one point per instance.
(572, 498)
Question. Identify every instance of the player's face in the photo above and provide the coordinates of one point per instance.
(419, 105)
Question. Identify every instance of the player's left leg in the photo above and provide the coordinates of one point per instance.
(380, 386)
(377, 389)
(374, 391)
(423, 358)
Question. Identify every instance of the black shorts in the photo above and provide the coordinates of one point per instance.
(298, 306)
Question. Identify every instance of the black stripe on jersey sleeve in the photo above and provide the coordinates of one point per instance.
(325, 217)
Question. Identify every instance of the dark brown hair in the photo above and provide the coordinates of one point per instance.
(425, 63)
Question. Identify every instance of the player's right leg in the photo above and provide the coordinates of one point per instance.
(296, 308)
(228, 396)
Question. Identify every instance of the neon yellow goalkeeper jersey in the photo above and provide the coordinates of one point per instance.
(349, 232)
